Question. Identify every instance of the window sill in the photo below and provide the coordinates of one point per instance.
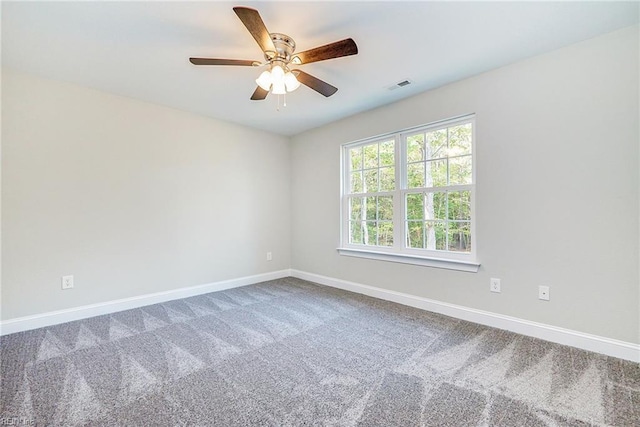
(449, 264)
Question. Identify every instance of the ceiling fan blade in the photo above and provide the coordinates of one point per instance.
(315, 83)
(344, 47)
(252, 20)
(219, 61)
(259, 94)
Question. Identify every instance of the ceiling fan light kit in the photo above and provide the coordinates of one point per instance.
(279, 81)
(278, 51)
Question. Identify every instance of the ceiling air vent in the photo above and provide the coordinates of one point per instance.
(398, 85)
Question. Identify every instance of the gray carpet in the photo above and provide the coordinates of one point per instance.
(288, 353)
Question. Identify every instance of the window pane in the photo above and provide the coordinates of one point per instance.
(460, 205)
(387, 153)
(436, 171)
(385, 208)
(415, 206)
(355, 232)
(371, 233)
(355, 154)
(435, 235)
(415, 234)
(415, 175)
(460, 236)
(436, 144)
(415, 148)
(371, 156)
(356, 182)
(460, 170)
(435, 191)
(459, 140)
(385, 233)
(435, 206)
(371, 181)
(355, 208)
(370, 208)
(387, 179)
(440, 205)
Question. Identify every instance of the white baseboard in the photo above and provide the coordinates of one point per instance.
(54, 317)
(598, 344)
(607, 346)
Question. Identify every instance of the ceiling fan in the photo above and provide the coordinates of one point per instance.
(279, 56)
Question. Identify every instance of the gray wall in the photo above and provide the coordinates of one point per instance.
(557, 189)
(131, 198)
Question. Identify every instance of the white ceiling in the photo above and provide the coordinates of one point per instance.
(141, 49)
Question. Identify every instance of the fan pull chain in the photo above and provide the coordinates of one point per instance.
(284, 103)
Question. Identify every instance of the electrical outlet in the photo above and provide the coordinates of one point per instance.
(269, 256)
(67, 282)
(543, 293)
(494, 285)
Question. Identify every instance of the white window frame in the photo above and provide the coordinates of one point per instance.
(399, 252)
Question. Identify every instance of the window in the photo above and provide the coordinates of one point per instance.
(408, 197)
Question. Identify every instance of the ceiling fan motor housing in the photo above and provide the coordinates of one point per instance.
(285, 46)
